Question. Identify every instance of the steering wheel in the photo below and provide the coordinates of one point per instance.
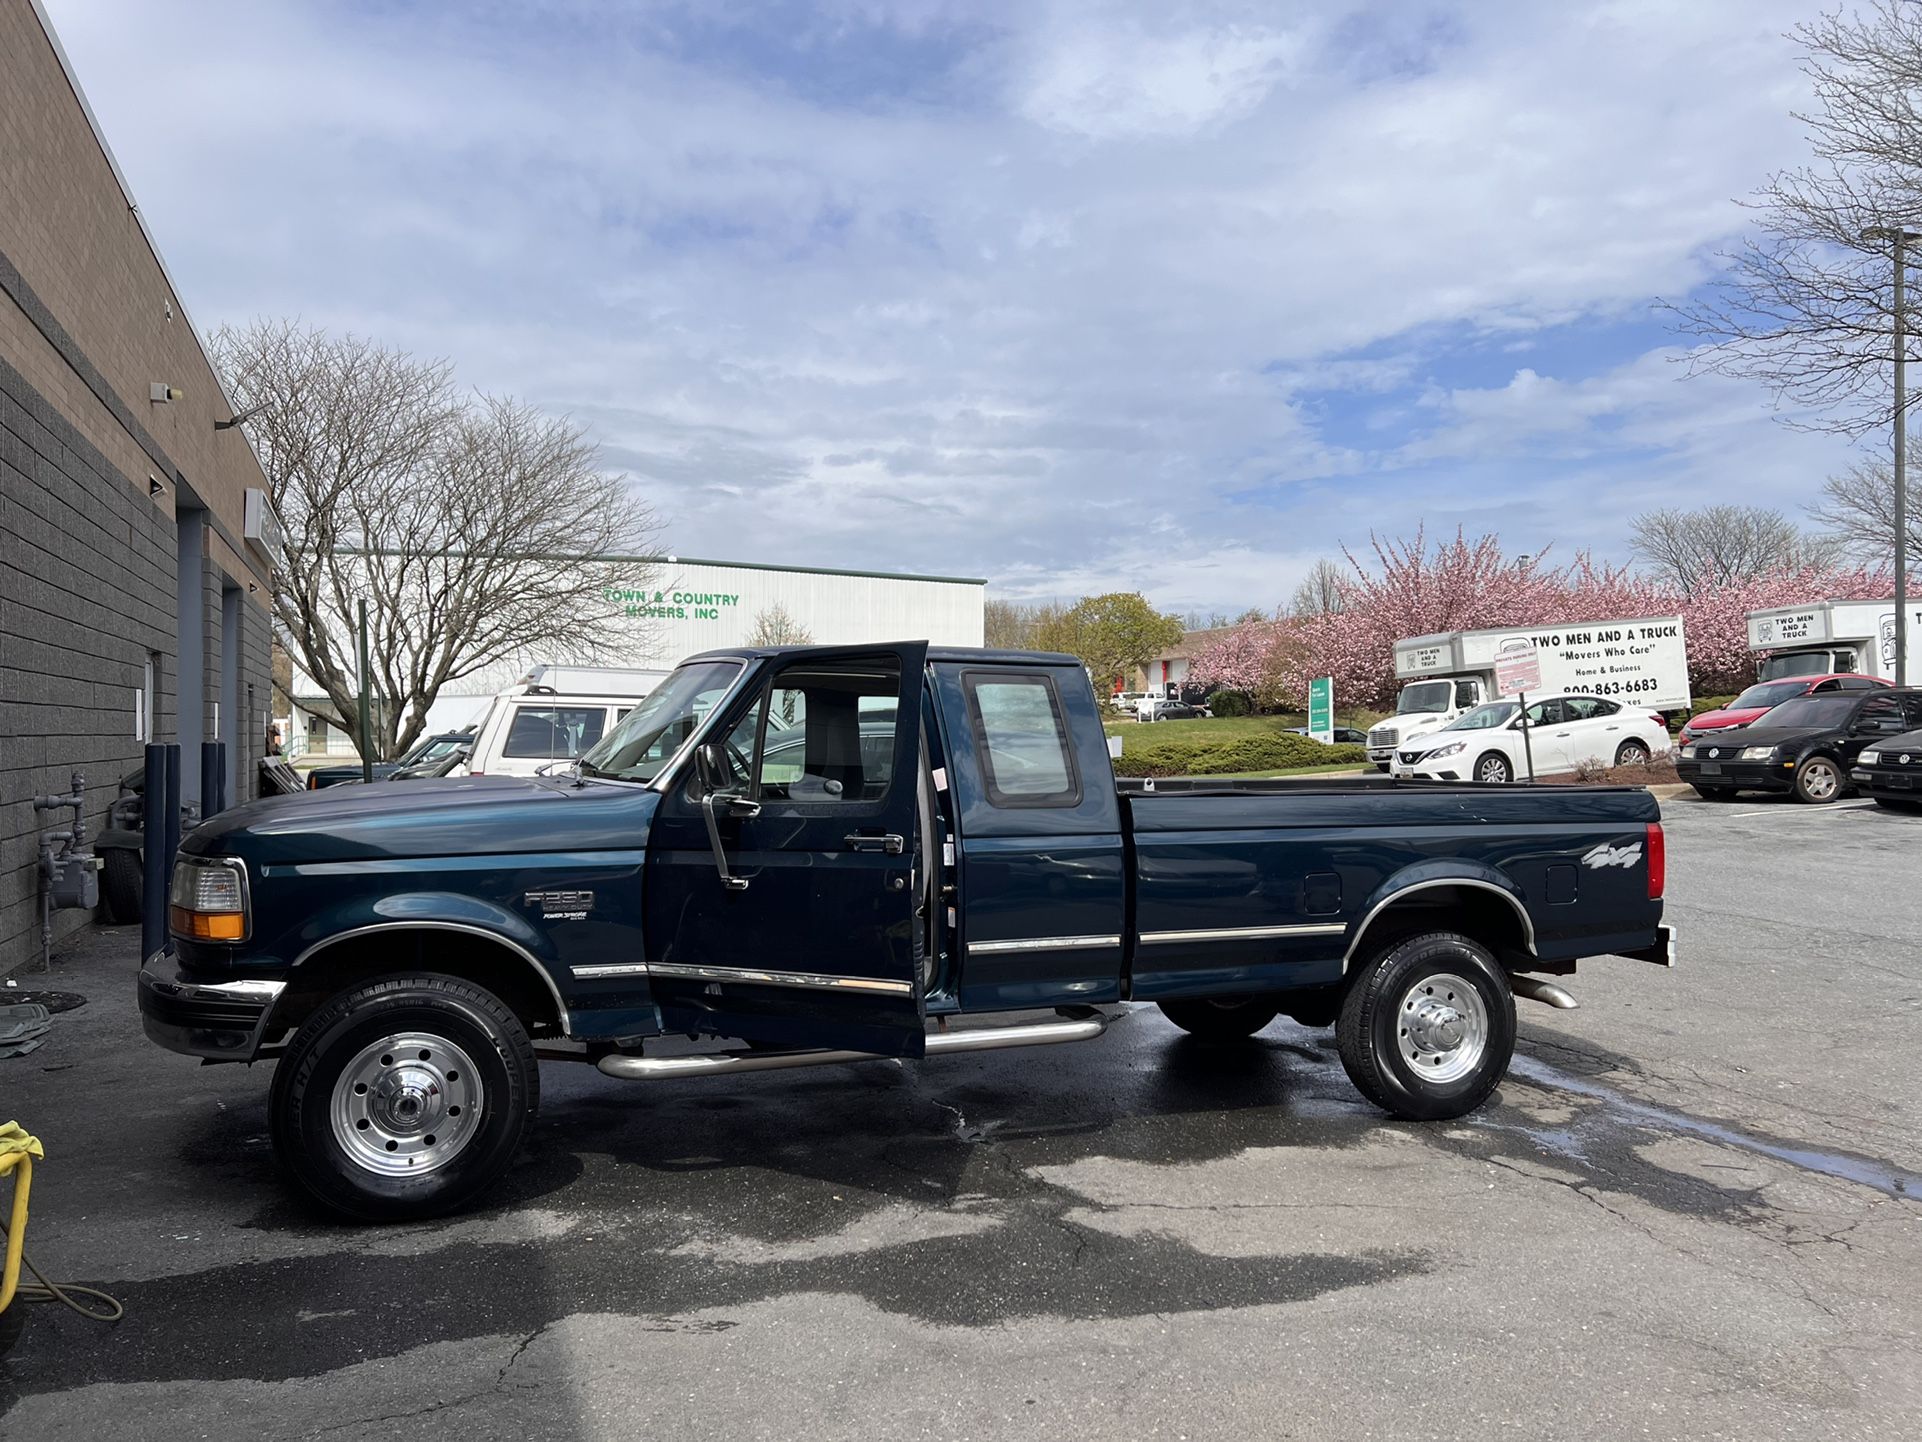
(739, 761)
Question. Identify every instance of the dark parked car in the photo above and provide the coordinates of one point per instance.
(425, 752)
(1890, 772)
(1806, 747)
(1343, 735)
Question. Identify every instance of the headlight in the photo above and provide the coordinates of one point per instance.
(207, 899)
(1449, 750)
(1757, 753)
(1688, 750)
(1869, 758)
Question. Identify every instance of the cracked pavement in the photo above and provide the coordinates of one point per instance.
(1691, 1211)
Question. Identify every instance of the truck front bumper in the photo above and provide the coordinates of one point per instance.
(198, 1015)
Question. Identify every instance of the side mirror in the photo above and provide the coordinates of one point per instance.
(710, 764)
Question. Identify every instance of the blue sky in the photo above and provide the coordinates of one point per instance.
(1176, 297)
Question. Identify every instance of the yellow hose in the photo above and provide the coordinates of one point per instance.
(20, 1164)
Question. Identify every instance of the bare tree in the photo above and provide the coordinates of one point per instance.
(1858, 507)
(775, 627)
(1703, 550)
(1806, 306)
(473, 529)
(1012, 625)
(1322, 592)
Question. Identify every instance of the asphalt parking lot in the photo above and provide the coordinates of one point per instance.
(1693, 1210)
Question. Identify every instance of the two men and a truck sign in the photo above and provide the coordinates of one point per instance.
(1642, 661)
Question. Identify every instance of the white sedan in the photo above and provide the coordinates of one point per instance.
(1564, 732)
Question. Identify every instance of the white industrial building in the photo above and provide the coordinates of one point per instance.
(675, 606)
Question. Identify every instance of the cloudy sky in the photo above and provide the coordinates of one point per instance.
(1165, 296)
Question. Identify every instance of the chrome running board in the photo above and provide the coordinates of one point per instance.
(994, 1038)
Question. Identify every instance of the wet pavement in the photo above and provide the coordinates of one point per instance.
(1691, 1211)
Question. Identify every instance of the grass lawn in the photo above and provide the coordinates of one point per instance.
(1341, 769)
(1202, 729)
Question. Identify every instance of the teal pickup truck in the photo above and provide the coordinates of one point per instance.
(820, 855)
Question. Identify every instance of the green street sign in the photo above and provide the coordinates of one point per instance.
(1321, 708)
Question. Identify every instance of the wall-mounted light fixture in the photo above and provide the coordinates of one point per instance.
(160, 394)
(245, 415)
(154, 488)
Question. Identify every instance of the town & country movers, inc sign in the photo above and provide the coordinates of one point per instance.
(671, 605)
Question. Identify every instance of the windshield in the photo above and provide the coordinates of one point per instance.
(1799, 663)
(1812, 711)
(1485, 718)
(1425, 697)
(650, 734)
(1767, 694)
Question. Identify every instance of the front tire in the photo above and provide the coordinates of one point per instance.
(403, 1098)
(1227, 1018)
(1428, 1026)
(1494, 769)
(1818, 781)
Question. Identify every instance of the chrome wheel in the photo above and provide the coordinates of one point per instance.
(1492, 768)
(1443, 1027)
(1633, 753)
(406, 1104)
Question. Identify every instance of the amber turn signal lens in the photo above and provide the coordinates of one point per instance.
(206, 925)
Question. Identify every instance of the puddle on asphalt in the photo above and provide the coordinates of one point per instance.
(1890, 1181)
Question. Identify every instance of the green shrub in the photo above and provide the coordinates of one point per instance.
(1232, 703)
(1201, 756)
(1708, 703)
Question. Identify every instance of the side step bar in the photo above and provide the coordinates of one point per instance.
(659, 1068)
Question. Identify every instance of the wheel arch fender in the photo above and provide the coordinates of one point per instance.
(1485, 903)
(347, 943)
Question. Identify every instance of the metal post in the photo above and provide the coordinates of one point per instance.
(1528, 744)
(366, 730)
(169, 812)
(153, 890)
(213, 776)
(1901, 477)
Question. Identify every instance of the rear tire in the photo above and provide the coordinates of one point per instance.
(403, 1098)
(1428, 1027)
(1493, 768)
(1631, 753)
(1818, 781)
(1227, 1018)
(122, 884)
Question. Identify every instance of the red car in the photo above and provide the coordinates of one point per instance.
(1764, 695)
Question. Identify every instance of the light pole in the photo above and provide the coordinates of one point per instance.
(1898, 237)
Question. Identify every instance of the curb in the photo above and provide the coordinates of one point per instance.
(1670, 790)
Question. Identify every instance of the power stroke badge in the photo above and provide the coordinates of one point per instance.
(562, 905)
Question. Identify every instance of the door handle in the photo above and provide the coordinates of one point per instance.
(890, 844)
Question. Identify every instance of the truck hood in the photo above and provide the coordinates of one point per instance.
(463, 816)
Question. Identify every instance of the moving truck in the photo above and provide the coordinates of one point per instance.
(1825, 638)
(1643, 661)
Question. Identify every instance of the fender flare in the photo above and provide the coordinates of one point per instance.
(446, 912)
(1430, 876)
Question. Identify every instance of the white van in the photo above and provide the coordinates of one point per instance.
(533, 725)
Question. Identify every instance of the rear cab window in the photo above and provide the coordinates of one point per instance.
(1022, 739)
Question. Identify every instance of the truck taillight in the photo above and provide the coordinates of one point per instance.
(1657, 861)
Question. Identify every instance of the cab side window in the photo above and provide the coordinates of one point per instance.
(1547, 713)
(1589, 708)
(1022, 740)
(825, 736)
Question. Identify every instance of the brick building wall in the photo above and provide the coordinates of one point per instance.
(103, 492)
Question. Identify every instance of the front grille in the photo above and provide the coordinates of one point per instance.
(1409, 758)
(1382, 736)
